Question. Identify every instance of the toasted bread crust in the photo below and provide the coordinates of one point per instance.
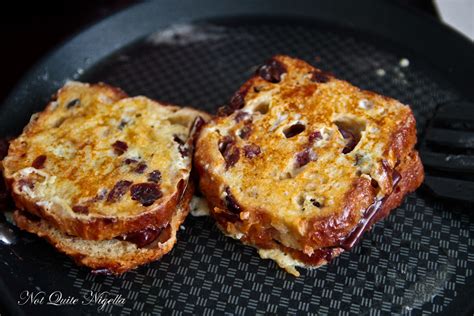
(313, 138)
(106, 260)
(69, 178)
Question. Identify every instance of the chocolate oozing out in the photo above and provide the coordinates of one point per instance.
(251, 151)
(356, 234)
(272, 71)
(294, 130)
(143, 237)
(38, 163)
(145, 193)
(319, 77)
(351, 141)
(229, 151)
(154, 176)
(73, 103)
(119, 189)
(304, 157)
(396, 176)
(81, 209)
(119, 147)
(141, 167)
(231, 203)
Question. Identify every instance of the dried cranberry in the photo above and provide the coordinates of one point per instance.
(143, 237)
(294, 130)
(38, 163)
(351, 141)
(73, 103)
(251, 150)
(145, 193)
(119, 147)
(119, 189)
(81, 209)
(304, 157)
(141, 167)
(154, 176)
(316, 135)
(229, 151)
(319, 76)
(231, 203)
(271, 71)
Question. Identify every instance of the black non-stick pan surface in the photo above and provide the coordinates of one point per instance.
(418, 260)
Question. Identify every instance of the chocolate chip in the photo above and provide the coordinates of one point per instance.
(119, 147)
(231, 203)
(237, 101)
(319, 76)
(294, 130)
(245, 131)
(251, 151)
(304, 157)
(145, 193)
(154, 176)
(141, 167)
(122, 124)
(315, 203)
(351, 141)
(73, 103)
(229, 151)
(119, 189)
(129, 161)
(38, 163)
(81, 209)
(143, 237)
(272, 71)
(178, 140)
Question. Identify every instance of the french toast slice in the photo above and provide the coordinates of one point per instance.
(301, 163)
(97, 164)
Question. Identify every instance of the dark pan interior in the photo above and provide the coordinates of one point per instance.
(419, 259)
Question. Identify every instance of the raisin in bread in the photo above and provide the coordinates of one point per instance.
(98, 165)
(300, 163)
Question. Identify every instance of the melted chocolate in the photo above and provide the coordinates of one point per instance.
(143, 237)
(356, 234)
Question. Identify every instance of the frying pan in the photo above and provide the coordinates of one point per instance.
(418, 260)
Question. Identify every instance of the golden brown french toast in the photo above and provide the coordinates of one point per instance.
(300, 163)
(99, 166)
